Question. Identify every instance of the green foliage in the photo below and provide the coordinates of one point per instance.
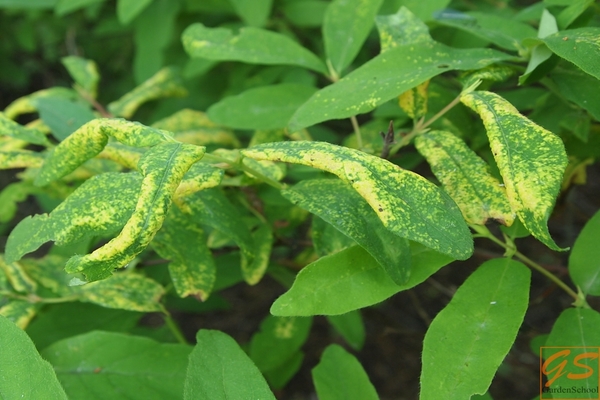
(174, 149)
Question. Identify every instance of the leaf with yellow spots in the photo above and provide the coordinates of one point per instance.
(12, 129)
(90, 139)
(335, 202)
(494, 73)
(20, 312)
(407, 204)
(162, 168)
(466, 178)
(84, 73)
(194, 127)
(531, 160)
(182, 241)
(165, 83)
(199, 177)
(20, 159)
(414, 101)
(263, 242)
(17, 277)
(131, 291)
(101, 205)
(123, 155)
(400, 29)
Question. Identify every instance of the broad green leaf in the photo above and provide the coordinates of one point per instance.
(182, 240)
(11, 195)
(100, 205)
(575, 327)
(25, 375)
(407, 204)
(84, 73)
(165, 83)
(575, 8)
(414, 101)
(20, 159)
(219, 370)
(580, 46)
(89, 140)
(339, 205)
(127, 10)
(402, 28)
(349, 280)
(467, 340)
(279, 377)
(350, 325)
(93, 364)
(20, 312)
(506, 33)
(56, 322)
(584, 261)
(27, 104)
(425, 10)
(125, 291)
(17, 277)
(278, 340)
(466, 178)
(194, 127)
(578, 87)
(63, 116)
(253, 12)
(265, 107)
(346, 26)
(306, 13)
(64, 7)
(540, 60)
(387, 76)
(531, 160)
(18, 131)
(339, 376)
(162, 168)
(251, 45)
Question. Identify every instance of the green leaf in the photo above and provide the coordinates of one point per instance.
(100, 205)
(584, 261)
(64, 7)
(425, 10)
(540, 53)
(18, 131)
(306, 13)
(350, 325)
(327, 239)
(93, 364)
(252, 45)
(27, 104)
(579, 46)
(407, 204)
(466, 178)
(127, 10)
(165, 83)
(279, 339)
(24, 373)
(253, 12)
(182, 240)
(265, 107)
(89, 140)
(567, 16)
(578, 87)
(125, 291)
(575, 327)
(339, 376)
(531, 160)
(346, 26)
(402, 28)
(20, 312)
(220, 370)
(386, 76)
(349, 280)
(339, 205)
(84, 73)
(63, 116)
(162, 168)
(467, 340)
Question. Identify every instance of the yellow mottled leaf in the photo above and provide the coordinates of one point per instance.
(18, 278)
(20, 159)
(466, 178)
(531, 160)
(19, 311)
(414, 101)
(132, 292)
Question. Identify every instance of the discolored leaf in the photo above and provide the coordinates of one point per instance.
(346, 25)
(406, 203)
(20, 159)
(402, 28)
(219, 370)
(263, 243)
(387, 76)
(165, 83)
(414, 101)
(251, 45)
(20, 312)
(531, 160)
(466, 178)
(27, 104)
(18, 131)
(63, 116)
(584, 261)
(84, 73)
(17, 277)
(162, 168)
(25, 374)
(342, 207)
(467, 340)
(125, 291)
